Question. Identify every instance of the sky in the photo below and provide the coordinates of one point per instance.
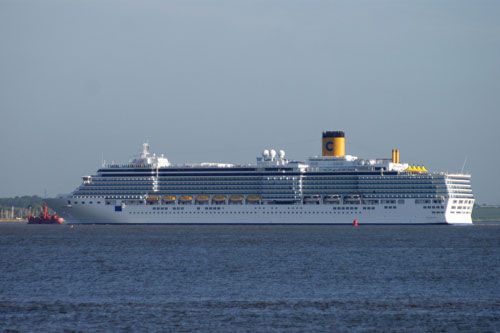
(219, 81)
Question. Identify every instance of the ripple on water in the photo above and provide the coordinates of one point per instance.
(217, 278)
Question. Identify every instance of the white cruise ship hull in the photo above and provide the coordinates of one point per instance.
(333, 188)
(88, 211)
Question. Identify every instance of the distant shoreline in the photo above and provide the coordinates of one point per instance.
(14, 221)
(486, 220)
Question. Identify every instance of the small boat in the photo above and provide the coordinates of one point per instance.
(219, 199)
(253, 199)
(236, 199)
(45, 218)
(185, 198)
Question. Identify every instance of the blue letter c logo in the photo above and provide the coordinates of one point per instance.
(329, 146)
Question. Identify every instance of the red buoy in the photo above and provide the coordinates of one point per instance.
(355, 223)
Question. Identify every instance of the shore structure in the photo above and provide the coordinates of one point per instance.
(13, 221)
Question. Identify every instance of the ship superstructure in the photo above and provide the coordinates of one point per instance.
(333, 188)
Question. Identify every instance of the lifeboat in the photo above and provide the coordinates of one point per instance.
(153, 198)
(202, 198)
(219, 198)
(236, 199)
(185, 198)
(253, 199)
(45, 218)
(169, 198)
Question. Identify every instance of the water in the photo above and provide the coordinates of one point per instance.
(249, 278)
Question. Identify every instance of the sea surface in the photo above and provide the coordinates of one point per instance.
(63, 278)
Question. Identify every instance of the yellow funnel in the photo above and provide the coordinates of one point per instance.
(334, 144)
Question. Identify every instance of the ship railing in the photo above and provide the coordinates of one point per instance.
(131, 165)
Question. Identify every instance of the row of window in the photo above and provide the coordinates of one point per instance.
(345, 208)
(243, 212)
(347, 211)
(222, 208)
(130, 193)
(463, 201)
(83, 202)
(304, 178)
(100, 185)
(370, 202)
(461, 207)
(281, 182)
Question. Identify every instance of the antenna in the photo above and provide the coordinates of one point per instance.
(463, 166)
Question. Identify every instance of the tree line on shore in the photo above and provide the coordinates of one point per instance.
(18, 207)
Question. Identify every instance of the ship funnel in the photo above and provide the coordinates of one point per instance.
(395, 156)
(334, 144)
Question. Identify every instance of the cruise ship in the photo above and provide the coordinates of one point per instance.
(333, 188)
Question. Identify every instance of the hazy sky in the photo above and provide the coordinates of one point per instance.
(220, 81)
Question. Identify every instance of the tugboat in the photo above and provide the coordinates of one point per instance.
(45, 218)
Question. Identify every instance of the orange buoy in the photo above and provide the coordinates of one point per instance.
(355, 223)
